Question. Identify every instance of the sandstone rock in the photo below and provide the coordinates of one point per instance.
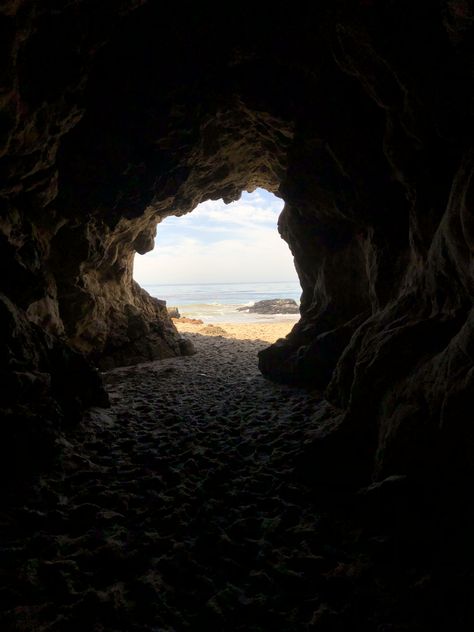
(173, 312)
(186, 347)
(272, 306)
(212, 330)
(46, 386)
(190, 321)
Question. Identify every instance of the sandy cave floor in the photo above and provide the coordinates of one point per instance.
(178, 509)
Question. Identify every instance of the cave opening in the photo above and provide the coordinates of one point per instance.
(224, 262)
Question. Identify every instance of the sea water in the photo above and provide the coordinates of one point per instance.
(218, 302)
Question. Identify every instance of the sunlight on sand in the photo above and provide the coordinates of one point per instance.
(269, 332)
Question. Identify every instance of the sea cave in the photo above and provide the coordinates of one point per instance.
(332, 495)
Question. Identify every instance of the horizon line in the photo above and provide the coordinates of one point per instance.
(216, 282)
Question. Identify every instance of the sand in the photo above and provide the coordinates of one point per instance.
(268, 332)
(178, 507)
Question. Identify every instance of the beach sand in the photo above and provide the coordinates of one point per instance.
(268, 332)
(178, 507)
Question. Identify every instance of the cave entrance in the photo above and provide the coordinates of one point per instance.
(220, 259)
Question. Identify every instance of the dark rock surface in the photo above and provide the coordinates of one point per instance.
(272, 306)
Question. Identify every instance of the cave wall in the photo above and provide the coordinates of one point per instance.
(359, 114)
(390, 307)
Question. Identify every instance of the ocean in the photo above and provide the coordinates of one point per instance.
(218, 302)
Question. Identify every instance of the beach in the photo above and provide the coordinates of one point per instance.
(266, 331)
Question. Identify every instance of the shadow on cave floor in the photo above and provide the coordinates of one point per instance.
(178, 509)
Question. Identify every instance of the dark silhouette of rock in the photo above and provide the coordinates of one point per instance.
(272, 306)
(186, 347)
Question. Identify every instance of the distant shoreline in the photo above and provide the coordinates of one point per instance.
(145, 285)
(218, 313)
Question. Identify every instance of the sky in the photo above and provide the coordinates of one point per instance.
(220, 243)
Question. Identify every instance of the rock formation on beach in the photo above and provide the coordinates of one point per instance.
(185, 319)
(173, 312)
(359, 115)
(272, 306)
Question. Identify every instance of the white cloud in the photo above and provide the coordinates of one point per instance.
(219, 243)
(241, 213)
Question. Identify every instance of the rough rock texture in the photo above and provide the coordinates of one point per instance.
(173, 312)
(272, 306)
(45, 388)
(358, 114)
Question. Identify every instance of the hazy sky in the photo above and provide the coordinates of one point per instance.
(220, 243)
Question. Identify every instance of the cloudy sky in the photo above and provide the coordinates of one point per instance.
(219, 243)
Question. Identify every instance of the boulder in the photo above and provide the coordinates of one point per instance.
(189, 321)
(173, 312)
(272, 306)
(186, 347)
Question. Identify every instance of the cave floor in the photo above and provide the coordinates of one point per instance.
(178, 508)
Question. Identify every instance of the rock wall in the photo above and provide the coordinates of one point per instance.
(386, 266)
(359, 114)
